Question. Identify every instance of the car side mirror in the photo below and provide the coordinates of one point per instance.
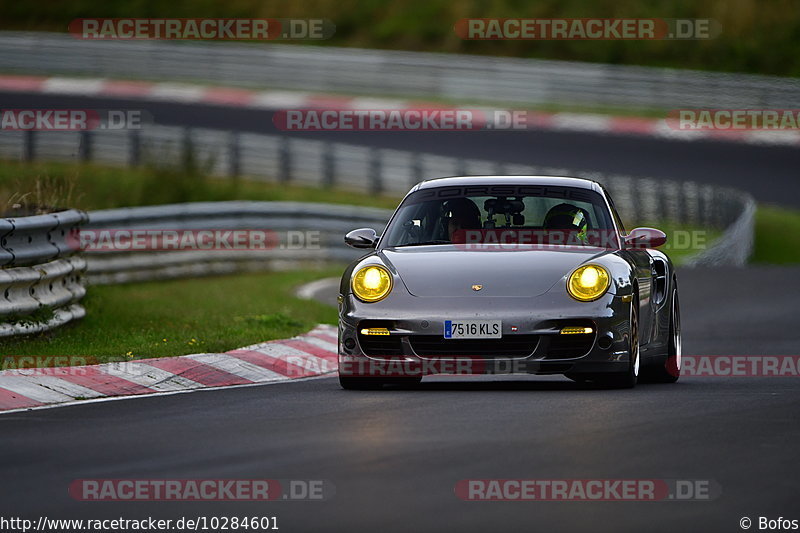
(362, 238)
(645, 238)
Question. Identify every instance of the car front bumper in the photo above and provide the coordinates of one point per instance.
(416, 344)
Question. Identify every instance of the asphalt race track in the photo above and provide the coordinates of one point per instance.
(394, 456)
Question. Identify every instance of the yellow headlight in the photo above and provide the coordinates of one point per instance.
(588, 283)
(372, 283)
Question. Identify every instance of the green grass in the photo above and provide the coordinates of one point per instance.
(88, 186)
(777, 236)
(159, 319)
(683, 240)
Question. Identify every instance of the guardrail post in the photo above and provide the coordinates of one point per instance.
(233, 155)
(187, 151)
(702, 209)
(285, 160)
(680, 196)
(85, 147)
(375, 171)
(636, 205)
(416, 168)
(29, 148)
(661, 199)
(135, 147)
(328, 165)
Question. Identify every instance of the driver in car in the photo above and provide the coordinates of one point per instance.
(568, 220)
(462, 214)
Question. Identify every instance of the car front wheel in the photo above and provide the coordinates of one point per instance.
(670, 370)
(627, 379)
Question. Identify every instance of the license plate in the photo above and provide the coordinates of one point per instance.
(473, 329)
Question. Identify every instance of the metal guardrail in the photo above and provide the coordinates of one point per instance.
(491, 80)
(26, 241)
(328, 164)
(736, 244)
(322, 225)
(329, 222)
(40, 284)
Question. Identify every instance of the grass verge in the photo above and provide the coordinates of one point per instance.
(160, 319)
(92, 186)
(777, 238)
(683, 241)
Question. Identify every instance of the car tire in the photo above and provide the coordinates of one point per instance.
(670, 370)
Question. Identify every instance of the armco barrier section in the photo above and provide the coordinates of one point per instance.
(302, 233)
(322, 227)
(41, 280)
(453, 77)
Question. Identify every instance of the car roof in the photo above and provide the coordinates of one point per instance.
(563, 181)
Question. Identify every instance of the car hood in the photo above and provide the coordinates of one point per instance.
(447, 271)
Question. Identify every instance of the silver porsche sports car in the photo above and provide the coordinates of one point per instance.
(508, 274)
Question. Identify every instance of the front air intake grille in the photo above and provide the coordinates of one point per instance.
(569, 346)
(509, 346)
(380, 346)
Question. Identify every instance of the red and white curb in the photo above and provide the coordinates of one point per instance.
(274, 100)
(309, 355)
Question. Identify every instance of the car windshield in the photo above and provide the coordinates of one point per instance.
(497, 214)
